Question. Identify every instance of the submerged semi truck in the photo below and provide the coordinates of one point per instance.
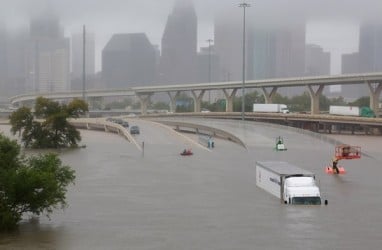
(270, 108)
(289, 183)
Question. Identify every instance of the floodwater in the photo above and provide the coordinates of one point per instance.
(126, 199)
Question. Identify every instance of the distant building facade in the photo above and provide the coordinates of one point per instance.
(128, 60)
(350, 63)
(179, 45)
(49, 56)
(17, 71)
(367, 59)
(272, 51)
(317, 61)
(228, 45)
(370, 47)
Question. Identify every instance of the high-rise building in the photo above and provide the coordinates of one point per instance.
(17, 72)
(262, 53)
(370, 49)
(275, 50)
(290, 51)
(77, 59)
(317, 61)
(208, 65)
(350, 64)
(179, 45)
(128, 60)
(228, 45)
(49, 57)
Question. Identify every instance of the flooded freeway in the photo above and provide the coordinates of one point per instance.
(126, 199)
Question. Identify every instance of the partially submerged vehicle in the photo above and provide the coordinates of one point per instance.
(280, 146)
(186, 152)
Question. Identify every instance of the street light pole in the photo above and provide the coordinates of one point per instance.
(84, 63)
(243, 5)
(209, 67)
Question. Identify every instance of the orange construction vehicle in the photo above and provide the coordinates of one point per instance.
(343, 152)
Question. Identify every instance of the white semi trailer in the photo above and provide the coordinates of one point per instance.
(270, 108)
(289, 183)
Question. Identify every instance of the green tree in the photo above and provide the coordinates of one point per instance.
(53, 129)
(300, 103)
(361, 102)
(34, 185)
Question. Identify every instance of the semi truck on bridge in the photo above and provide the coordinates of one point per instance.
(351, 111)
(270, 108)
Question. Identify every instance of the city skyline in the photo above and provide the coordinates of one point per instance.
(327, 26)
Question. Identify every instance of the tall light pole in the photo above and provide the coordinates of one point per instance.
(243, 5)
(84, 63)
(209, 67)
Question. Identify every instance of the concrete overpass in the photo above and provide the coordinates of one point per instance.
(269, 87)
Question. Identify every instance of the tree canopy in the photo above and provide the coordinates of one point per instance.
(48, 127)
(34, 185)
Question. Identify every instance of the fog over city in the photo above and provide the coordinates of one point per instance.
(137, 43)
(124, 16)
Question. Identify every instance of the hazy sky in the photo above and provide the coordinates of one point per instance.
(333, 24)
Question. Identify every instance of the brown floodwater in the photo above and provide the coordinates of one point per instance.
(124, 199)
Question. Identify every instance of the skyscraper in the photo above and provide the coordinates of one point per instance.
(317, 61)
(228, 45)
(128, 60)
(179, 45)
(49, 57)
(350, 64)
(273, 49)
(370, 49)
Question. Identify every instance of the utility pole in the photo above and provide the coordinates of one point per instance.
(243, 5)
(209, 67)
(84, 63)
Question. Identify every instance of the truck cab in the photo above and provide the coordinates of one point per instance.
(301, 190)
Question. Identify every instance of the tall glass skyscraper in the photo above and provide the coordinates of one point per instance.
(179, 45)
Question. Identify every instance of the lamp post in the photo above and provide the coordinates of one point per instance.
(84, 63)
(209, 67)
(243, 5)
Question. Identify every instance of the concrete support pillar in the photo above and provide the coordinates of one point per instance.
(173, 100)
(229, 99)
(375, 93)
(268, 96)
(144, 100)
(315, 98)
(197, 99)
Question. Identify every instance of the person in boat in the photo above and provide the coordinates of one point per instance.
(185, 151)
(335, 166)
(279, 141)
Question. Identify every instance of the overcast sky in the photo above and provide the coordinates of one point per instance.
(333, 24)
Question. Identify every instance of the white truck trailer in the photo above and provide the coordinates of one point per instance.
(351, 111)
(289, 183)
(270, 108)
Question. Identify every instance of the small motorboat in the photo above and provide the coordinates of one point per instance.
(186, 152)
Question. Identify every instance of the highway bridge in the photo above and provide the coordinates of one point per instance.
(269, 87)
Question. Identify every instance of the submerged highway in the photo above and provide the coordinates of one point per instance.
(126, 198)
